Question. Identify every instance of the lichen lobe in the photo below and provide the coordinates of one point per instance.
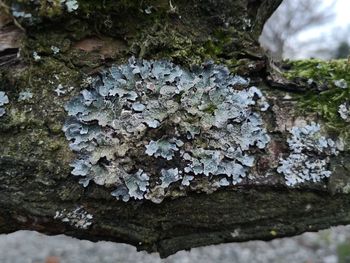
(3, 100)
(146, 127)
(309, 156)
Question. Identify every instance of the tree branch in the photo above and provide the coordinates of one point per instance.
(38, 191)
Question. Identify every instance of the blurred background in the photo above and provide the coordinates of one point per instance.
(308, 28)
(328, 246)
(298, 29)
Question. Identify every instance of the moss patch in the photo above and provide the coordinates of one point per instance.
(343, 251)
(327, 99)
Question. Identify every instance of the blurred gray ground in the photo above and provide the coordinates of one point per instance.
(328, 246)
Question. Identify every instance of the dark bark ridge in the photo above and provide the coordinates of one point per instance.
(37, 191)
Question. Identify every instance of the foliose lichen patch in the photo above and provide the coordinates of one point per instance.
(309, 155)
(78, 217)
(25, 95)
(146, 127)
(3, 100)
(340, 83)
(36, 56)
(344, 111)
(71, 5)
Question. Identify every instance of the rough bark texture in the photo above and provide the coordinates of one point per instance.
(35, 180)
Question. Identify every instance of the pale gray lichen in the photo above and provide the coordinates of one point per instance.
(165, 148)
(344, 112)
(136, 186)
(55, 50)
(25, 95)
(213, 162)
(78, 217)
(149, 126)
(148, 10)
(186, 180)
(71, 5)
(309, 155)
(3, 100)
(60, 90)
(36, 56)
(309, 138)
(170, 176)
(341, 83)
(21, 14)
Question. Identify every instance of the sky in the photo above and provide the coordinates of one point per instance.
(334, 27)
(342, 8)
(342, 14)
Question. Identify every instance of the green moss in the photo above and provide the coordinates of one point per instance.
(215, 46)
(326, 100)
(210, 109)
(187, 39)
(185, 47)
(321, 71)
(32, 129)
(50, 8)
(343, 251)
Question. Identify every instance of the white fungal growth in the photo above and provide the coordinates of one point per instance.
(173, 126)
(3, 100)
(78, 218)
(344, 112)
(309, 155)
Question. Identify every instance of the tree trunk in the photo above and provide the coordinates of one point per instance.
(48, 51)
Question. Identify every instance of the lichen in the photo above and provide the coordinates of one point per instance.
(340, 83)
(195, 125)
(78, 217)
(309, 155)
(25, 95)
(71, 5)
(36, 56)
(170, 176)
(3, 100)
(213, 162)
(20, 14)
(344, 112)
(135, 186)
(60, 90)
(55, 50)
(163, 148)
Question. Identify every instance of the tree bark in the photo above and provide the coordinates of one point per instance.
(37, 191)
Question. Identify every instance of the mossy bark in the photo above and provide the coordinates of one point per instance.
(35, 180)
